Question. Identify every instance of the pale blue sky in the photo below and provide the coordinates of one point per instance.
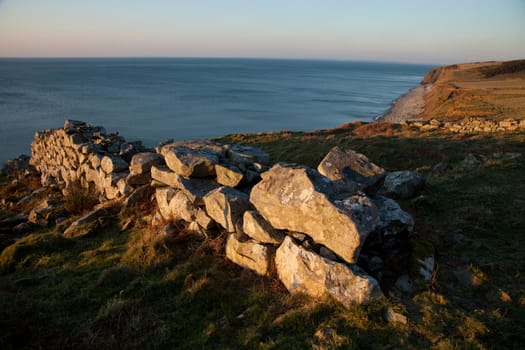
(431, 31)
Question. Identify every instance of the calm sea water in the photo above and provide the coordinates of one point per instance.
(157, 99)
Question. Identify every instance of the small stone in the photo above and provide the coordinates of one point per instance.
(228, 175)
(204, 220)
(395, 317)
(467, 278)
(142, 162)
(113, 164)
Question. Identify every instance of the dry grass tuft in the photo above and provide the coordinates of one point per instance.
(78, 199)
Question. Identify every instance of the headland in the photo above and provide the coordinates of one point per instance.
(490, 90)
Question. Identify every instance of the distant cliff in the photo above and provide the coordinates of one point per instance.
(490, 90)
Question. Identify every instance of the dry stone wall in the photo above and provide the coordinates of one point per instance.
(469, 125)
(326, 230)
(82, 153)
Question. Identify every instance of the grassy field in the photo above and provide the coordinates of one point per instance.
(131, 288)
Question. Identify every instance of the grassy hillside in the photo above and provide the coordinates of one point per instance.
(128, 287)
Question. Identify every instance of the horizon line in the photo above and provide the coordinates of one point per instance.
(234, 57)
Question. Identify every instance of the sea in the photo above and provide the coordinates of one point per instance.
(154, 99)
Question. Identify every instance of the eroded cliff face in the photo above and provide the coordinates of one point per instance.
(490, 90)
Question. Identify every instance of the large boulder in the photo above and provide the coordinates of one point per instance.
(226, 206)
(402, 184)
(259, 229)
(303, 271)
(350, 171)
(249, 254)
(190, 162)
(297, 198)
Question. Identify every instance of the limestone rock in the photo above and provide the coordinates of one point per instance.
(181, 207)
(164, 175)
(195, 189)
(204, 220)
(190, 162)
(205, 145)
(135, 178)
(392, 219)
(228, 175)
(84, 225)
(259, 229)
(113, 164)
(245, 155)
(306, 272)
(249, 254)
(350, 171)
(402, 184)
(163, 196)
(226, 206)
(296, 198)
(142, 162)
(393, 316)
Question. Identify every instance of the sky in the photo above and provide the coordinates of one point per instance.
(425, 31)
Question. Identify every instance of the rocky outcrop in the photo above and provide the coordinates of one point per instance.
(296, 198)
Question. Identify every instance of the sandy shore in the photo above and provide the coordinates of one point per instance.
(408, 106)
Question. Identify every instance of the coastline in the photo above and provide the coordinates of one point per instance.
(408, 106)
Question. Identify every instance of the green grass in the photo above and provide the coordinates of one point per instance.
(134, 289)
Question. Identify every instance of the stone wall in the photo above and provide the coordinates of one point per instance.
(79, 152)
(330, 230)
(469, 125)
